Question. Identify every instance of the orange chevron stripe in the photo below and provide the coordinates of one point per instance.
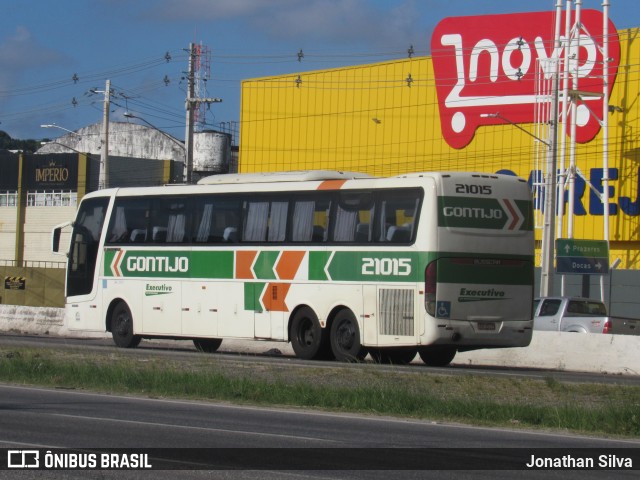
(116, 263)
(514, 214)
(331, 185)
(274, 297)
(288, 264)
(244, 260)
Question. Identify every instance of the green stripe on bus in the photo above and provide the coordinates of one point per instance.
(317, 263)
(345, 266)
(496, 270)
(485, 213)
(263, 267)
(252, 294)
(169, 264)
(385, 266)
(526, 207)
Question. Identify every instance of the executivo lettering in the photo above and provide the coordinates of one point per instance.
(467, 295)
(151, 290)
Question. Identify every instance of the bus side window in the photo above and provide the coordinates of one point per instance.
(265, 221)
(398, 214)
(310, 219)
(302, 229)
(216, 219)
(118, 228)
(278, 221)
(255, 222)
(353, 217)
(130, 222)
(170, 220)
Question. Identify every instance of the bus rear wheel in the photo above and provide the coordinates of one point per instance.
(207, 345)
(308, 338)
(437, 356)
(345, 338)
(396, 356)
(122, 327)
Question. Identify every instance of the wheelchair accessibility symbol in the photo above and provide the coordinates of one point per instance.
(443, 309)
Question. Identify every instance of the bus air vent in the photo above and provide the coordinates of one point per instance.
(396, 312)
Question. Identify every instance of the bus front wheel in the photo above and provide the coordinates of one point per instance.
(308, 338)
(437, 356)
(345, 338)
(122, 327)
(207, 345)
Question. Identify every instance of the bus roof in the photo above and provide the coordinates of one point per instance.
(288, 176)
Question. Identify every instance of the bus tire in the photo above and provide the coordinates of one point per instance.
(437, 356)
(395, 356)
(345, 338)
(207, 345)
(308, 338)
(122, 327)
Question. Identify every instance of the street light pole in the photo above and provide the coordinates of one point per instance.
(53, 125)
(103, 181)
(548, 227)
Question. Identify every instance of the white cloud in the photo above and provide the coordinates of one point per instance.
(21, 50)
(329, 21)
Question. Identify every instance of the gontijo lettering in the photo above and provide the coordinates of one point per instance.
(157, 264)
(473, 212)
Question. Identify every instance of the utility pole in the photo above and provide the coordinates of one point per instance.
(550, 184)
(191, 105)
(103, 179)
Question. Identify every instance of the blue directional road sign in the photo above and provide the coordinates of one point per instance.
(586, 257)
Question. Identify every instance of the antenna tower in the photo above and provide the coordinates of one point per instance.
(201, 74)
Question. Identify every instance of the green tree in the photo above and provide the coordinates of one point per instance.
(8, 143)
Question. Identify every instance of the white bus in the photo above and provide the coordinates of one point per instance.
(339, 264)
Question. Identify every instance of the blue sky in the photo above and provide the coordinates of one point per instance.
(44, 44)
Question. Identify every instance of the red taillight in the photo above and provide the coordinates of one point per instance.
(430, 286)
(607, 326)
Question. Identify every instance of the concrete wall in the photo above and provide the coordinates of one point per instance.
(8, 232)
(35, 287)
(37, 232)
(574, 352)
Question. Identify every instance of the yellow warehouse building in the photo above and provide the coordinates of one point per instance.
(384, 119)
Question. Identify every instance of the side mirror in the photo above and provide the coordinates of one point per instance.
(55, 238)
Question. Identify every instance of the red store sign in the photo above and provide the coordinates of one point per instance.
(487, 64)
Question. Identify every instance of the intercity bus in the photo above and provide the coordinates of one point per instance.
(339, 264)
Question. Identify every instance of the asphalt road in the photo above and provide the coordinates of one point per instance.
(279, 352)
(36, 418)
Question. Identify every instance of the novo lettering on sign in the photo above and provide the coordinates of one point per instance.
(488, 64)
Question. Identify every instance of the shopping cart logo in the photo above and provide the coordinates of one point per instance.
(488, 65)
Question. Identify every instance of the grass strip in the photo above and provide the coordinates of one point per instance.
(471, 399)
